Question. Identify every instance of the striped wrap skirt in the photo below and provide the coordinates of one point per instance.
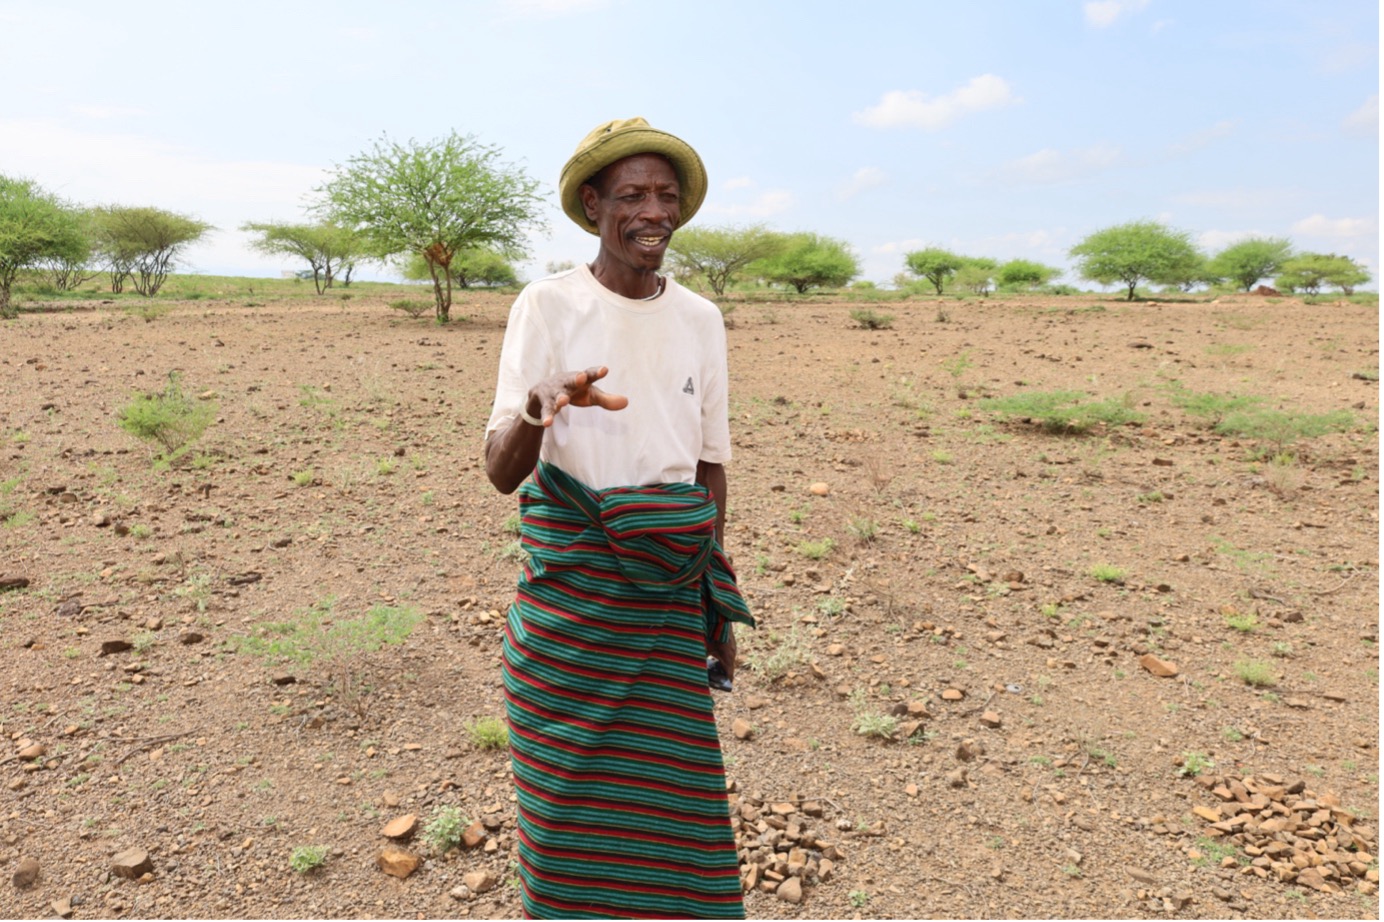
(617, 764)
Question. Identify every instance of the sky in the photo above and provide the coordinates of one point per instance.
(1000, 128)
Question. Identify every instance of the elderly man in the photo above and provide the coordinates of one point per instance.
(617, 764)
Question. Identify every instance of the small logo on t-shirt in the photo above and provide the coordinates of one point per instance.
(687, 388)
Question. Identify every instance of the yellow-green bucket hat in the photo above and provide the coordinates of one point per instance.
(623, 138)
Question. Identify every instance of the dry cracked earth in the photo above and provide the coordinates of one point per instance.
(1000, 671)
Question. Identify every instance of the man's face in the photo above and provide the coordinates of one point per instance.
(636, 204)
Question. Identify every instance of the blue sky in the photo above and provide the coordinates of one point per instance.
(1003, 129)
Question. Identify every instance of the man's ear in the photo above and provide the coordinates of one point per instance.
(588, 201)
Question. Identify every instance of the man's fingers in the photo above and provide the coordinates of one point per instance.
(606, 401)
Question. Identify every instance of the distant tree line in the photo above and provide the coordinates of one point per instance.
(72, 243)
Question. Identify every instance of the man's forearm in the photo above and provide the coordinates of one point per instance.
(713, 477)
(512, 453)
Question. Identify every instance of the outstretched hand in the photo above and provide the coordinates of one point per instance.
(576, 389)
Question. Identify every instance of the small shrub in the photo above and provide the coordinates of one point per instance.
(488, 733)
(816, 550)
(307, 858)
(1107, 573)
(1245, 623)
(1212, 408)
(863, 529)
(169, 418)
(413, 307)
(443, 832)
(871, 723)
(1062, 411)
(1194, 763)
(1283, 428)
(1255, 673)
(304, 478)
(771, 655)
(870, 320)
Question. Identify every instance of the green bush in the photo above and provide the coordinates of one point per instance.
(443, 831)
(307, 858)
(1061, 411)
(869, 320)
(411, 306)
(1283, 428)
(171, 418)
(488, 732)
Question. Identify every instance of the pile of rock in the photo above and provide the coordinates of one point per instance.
(1290, 833)
(779, 848)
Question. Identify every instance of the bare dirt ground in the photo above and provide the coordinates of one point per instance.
(987, 598)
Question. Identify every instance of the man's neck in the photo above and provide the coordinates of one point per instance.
(625, 281)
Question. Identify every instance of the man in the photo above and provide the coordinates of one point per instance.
(617, 764)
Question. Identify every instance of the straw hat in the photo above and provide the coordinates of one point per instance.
(623, 138)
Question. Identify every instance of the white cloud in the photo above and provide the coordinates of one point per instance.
(867, 177)
(1105, 13)
(768, 203)
(1364, 121)
(914, 108)
(1238, 198)
(1319, 225)
(1054, 166)
(1204, 138)
(739, 182)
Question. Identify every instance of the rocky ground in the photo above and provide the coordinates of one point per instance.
(1000, 671)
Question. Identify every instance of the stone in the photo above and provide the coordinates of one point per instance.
(969, 750)
(790, 891)
(9, 582)
(990, 719)
(956, 778)
(62, 907)
(1210, 814)
(819, 489)
(1164, 669)
(284, 678)
(132, 864)
(1139, 874)
(742, 728)
(473, 835)
(401, 827)
(911, 790)
(460, 892)
(953, 694)
(33, 751)
(918, 709)
(397, 862)
(189, 637)
(480, 881)
(26, 874)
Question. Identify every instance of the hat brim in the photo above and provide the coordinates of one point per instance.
(628, 142)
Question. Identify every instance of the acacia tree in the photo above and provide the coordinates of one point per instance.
(69, 270)
(976, 274)
(434, 199)
(1250, 260)
(1023, 273)
(472, 266)
(934, 264)
(719, 253)
(1138, 251)
(144, 243)
(806, 260)
(328, 248)
(34, 226)
(1310, 271)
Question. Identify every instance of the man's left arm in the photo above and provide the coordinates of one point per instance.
(713, 477)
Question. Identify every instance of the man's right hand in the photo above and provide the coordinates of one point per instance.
(512, 453)
(575, 388)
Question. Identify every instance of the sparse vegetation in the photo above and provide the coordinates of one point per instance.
(1062, 411)
(487, 733)
(443, 832)
(307, 858)
(169, 418)
(1255, 673)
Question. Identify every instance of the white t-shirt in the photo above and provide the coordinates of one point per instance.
(668, 356)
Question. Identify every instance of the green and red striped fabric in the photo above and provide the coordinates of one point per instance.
(617, 764)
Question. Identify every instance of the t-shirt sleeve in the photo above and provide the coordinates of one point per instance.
(715, 403)
(525, 359)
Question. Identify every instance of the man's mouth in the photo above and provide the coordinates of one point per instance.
(650, 241)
